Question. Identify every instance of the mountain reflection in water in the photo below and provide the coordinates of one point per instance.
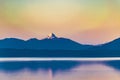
(60, 70)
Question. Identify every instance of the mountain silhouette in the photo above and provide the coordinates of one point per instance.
(12, 43)
(52, 42)
(53, 46)
(113, 45)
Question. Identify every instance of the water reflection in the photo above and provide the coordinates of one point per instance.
(60, 70)
(89, 72)
(25, 75)
(36, 65)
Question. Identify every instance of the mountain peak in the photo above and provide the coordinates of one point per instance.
(52, 36)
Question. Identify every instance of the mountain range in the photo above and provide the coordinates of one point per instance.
(52, 42)
(53, 46)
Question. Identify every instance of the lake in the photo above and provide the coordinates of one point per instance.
(60, 69)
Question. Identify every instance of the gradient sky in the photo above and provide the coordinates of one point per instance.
(85, 21)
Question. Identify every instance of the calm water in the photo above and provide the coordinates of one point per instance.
(60, 70)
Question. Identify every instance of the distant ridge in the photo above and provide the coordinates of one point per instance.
(113, 45)
(52, 42)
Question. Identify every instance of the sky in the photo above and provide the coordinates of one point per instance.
(84, 21)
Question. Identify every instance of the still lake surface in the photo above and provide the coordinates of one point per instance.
(60, 70)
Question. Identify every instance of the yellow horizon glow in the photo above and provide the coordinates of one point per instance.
(75, 19)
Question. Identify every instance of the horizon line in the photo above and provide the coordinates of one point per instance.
(58, 59)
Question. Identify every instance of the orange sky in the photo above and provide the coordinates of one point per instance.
(85, 21)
